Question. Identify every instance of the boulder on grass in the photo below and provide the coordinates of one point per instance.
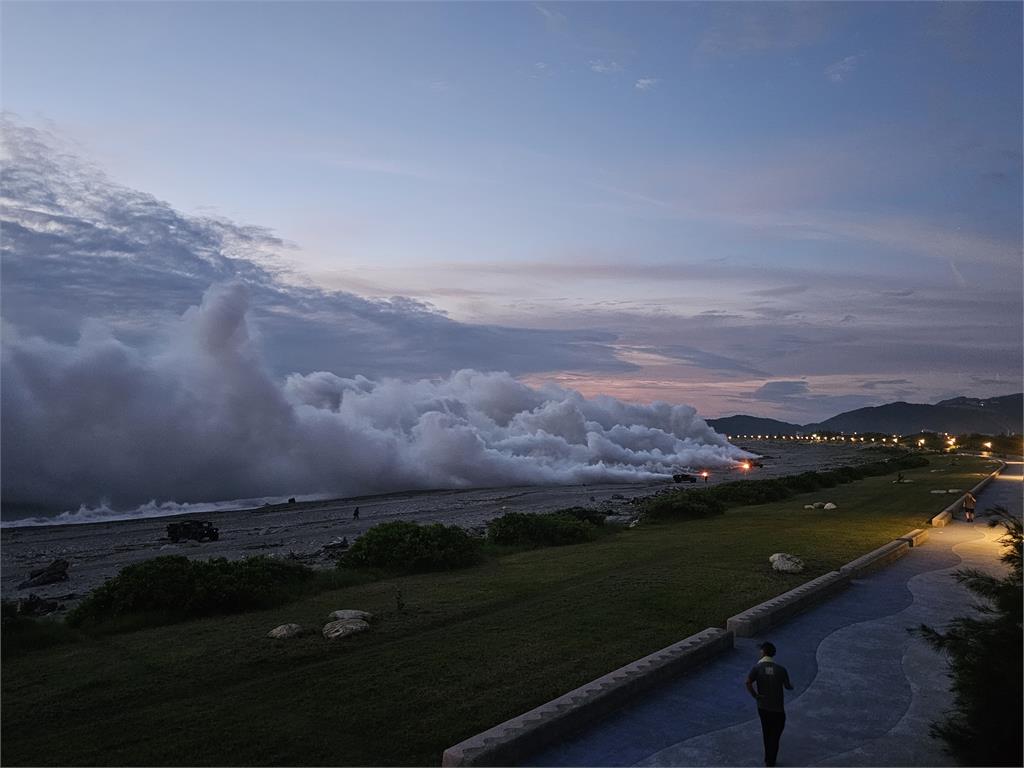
(955, 490)
(350, 613)
(808, 506)
(939, 490)
(336, 630)
(285, 631)
(819, 505)
(784, 563)
(830, 505)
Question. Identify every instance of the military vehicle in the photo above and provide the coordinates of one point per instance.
(684, 477)
(192, 529)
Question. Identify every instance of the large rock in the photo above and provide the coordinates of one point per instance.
(784, 563)
(285, 631)
(830, 505)
(51, 574)
(336, 630)
(808, 506)
(350, 613)
(819, 505)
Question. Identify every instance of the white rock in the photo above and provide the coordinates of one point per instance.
(830, 505)
(285, 631)
(349, 613)
(937, 491)
(819, 505)
(344, 627)
(786, 563)
(808, 506)
(955, 490)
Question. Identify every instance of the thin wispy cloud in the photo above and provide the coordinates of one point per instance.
(751, 28)
(605, 67)
(647, 83)
(553, 19)
(840, 70)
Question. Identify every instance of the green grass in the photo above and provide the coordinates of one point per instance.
(472, 647)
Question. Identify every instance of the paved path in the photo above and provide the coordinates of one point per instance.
(865, 688)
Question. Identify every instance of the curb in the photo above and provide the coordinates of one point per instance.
(945, 517)
(765, 615)
(915, 538)
(877, 558)
(506, 743)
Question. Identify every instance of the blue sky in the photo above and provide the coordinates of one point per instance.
(781, 209)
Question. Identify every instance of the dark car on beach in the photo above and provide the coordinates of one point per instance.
(683, 477)
(192, 529)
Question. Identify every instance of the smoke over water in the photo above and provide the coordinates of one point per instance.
(198, 418)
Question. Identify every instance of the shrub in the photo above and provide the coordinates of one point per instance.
(177, 588)
(553, 529)
(407, 546)
(985, 661)
(805, 482)
(744, 492)
(591, 516)
(684, 504)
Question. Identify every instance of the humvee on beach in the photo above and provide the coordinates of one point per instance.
(192, 529)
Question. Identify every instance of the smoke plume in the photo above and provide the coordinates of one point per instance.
(200, 418)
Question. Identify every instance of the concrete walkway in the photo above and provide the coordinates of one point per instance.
(866, 689)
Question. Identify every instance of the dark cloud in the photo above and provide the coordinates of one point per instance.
(785, 290)
(875, 383)
(780, 391)
(78, 246)
(702, 359)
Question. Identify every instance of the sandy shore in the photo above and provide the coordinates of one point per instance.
(97, 551)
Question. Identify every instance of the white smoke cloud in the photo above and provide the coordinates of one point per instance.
(199, 418)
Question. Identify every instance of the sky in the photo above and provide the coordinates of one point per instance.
(786, 210)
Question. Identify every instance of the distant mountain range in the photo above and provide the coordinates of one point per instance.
(960, 415)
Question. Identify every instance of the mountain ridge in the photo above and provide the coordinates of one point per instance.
(960, 415)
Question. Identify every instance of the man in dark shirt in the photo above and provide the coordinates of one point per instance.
(770, 679)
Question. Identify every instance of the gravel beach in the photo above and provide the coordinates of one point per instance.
(97, 551)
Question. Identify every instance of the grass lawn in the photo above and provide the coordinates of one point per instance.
(470, 649)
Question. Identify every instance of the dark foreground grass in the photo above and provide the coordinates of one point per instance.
(471, 648)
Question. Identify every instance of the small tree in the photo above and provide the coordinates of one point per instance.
(985, 662)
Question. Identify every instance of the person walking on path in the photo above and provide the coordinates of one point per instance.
(765, 683)
(355, 515)
(969, 504)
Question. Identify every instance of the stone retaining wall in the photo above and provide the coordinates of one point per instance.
(915, 538)
(514, 739)
(763, 616)
(945, 517)
(882, 556)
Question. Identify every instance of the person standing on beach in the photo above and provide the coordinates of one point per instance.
(969, 504)
(765, 683)
(355, 515)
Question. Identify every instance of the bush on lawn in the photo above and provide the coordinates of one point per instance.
(684, 505)
(553, 529)
(716, 499)
(407, 546)
(178, 588)
(591, 516)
